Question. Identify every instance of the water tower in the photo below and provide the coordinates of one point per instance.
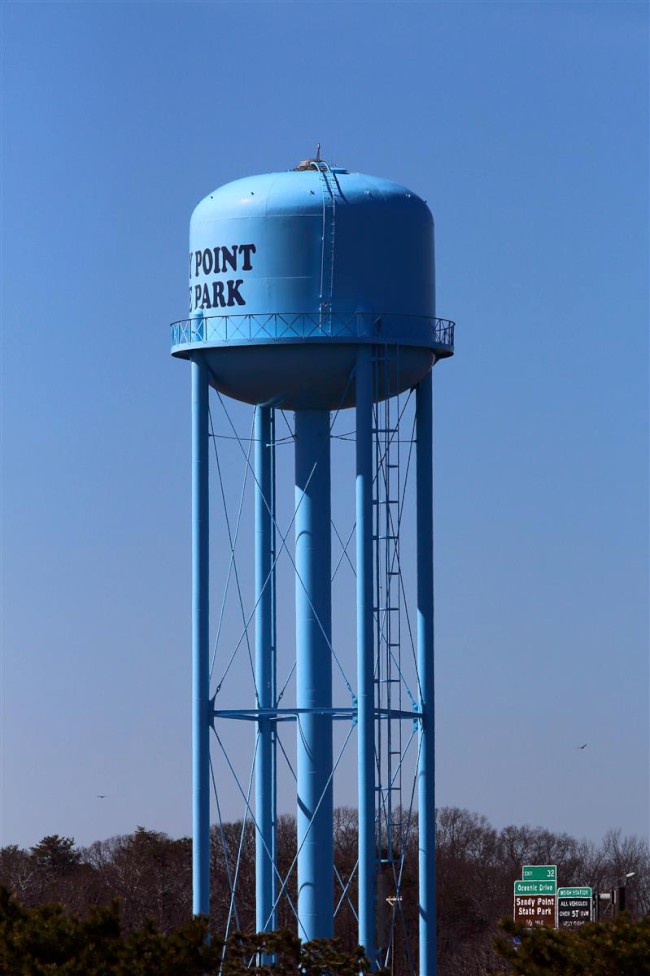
(311, 293)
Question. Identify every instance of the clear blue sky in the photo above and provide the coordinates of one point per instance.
(525, 126)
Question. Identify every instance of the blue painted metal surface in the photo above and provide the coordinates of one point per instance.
(303, 257)
(365, 656)
(426, 764)
(264, 236)
(201, 710)
(265, 762)
(314, 675)
(244, 328)
(297, 281)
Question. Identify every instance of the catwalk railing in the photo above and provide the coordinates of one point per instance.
(260, 327)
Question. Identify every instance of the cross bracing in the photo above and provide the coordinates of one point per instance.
(238, 712)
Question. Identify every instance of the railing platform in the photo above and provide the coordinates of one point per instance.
(261, 328)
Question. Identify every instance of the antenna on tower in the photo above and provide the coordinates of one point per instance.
(318, 159)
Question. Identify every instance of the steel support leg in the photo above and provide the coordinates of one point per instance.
(314, 675)
(265, 799)
(426, 767)
(201, 718)
(365, 655)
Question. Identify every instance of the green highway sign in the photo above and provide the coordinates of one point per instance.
(535, 888)
(574, 892)
(539, 872)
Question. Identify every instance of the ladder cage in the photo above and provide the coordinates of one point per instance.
(395, 671)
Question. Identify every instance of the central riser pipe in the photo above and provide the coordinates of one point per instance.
(314, 675)
(365, 655)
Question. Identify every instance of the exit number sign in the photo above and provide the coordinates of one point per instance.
(539, 872)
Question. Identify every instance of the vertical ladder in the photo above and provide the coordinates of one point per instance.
(388, 612)
(330, 189)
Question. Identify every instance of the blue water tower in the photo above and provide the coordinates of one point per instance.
(300, 283)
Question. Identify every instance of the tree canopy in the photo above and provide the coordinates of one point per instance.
(46, 940)
(150, 873)
(620, 947)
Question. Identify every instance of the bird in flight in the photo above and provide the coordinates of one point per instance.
(102, 796)
(582, 747)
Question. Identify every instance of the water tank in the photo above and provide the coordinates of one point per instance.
(290, 272)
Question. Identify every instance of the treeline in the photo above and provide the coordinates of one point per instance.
(150, 874)
(47, 940)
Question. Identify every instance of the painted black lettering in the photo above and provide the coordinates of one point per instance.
(234, 298)
(215, 251)
(217, 294)
(207, 261)
(247, 250)
(197, 295)
(198, 257)
(205, 298)
(229, 256)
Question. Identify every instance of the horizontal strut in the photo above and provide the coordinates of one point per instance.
(284, 714)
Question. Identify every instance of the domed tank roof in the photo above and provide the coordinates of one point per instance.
(282, 264)
(299, 191)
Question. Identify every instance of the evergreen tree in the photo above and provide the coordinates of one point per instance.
(617, 948)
